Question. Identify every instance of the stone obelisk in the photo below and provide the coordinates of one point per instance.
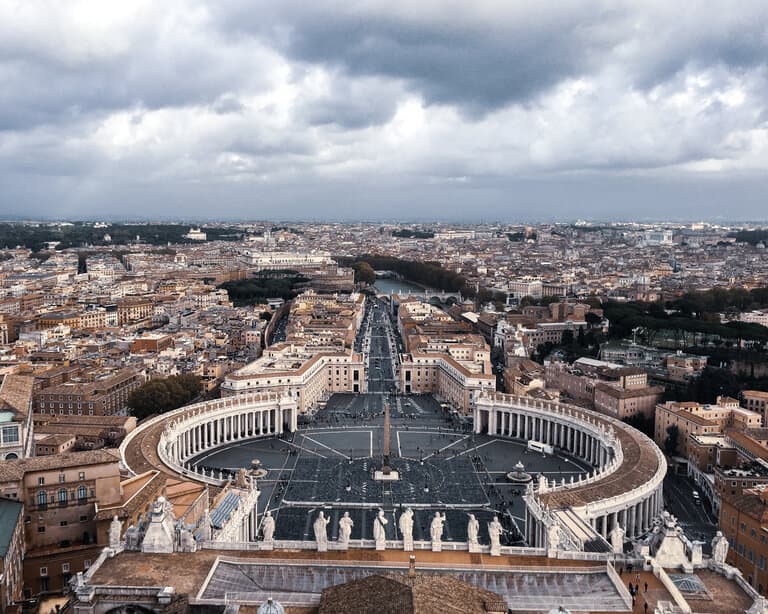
(386, 472)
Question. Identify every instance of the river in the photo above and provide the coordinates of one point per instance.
(389, 285)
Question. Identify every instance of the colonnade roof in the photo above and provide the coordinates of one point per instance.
(641, 462)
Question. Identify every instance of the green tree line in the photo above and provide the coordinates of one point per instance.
(158, 396)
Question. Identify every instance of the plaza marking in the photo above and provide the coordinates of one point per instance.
(370, 444)
(409, 431)
(303, 449)
(482, 445)
(328, 448)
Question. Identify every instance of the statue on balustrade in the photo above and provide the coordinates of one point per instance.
(345, 528)
(268, 527)
(406, 529)
(473, 528)
(719, 548)
(379, 532)
(494, 534)
(320, 529)
(436, 531)
(617, 539)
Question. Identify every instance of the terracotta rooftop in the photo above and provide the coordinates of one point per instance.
(404, 594)
(15, 469)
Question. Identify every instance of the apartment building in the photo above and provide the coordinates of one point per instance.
(757, 401)
(308, 375)
(692, 418)
(455, 370)
(60, 494)
(744, 522)
(105, 396)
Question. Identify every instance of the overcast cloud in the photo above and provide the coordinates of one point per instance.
(384, 109)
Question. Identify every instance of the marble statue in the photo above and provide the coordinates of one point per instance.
(406, 529)
(719, 548)
(494, 534)
(321, 536)
(268, 527)
(553, 537)
(473, 527)
(115, 528)
(345, 528)
(379, 533)
(617, 539)
(436, 531)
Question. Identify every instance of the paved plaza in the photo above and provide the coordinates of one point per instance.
(329, 464)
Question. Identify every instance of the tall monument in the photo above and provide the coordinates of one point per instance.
(386, 473)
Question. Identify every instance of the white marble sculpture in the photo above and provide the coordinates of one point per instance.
(719, 548)
(617, 539)
(473, 528)
(494, 534)
(321, 535)
(268, 529)
(115, 528)
(379, 532)
(406, 529)
(345, 529)
(436, 532)
(553, 537)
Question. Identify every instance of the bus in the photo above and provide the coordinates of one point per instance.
(537, 446)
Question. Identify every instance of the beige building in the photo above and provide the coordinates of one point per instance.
(60, 494)
(454, 370)
(307, 375)
(105, 396)
(756, 400)
(692, 418)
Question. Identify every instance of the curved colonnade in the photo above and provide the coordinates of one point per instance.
(169, 441)
(625, 489)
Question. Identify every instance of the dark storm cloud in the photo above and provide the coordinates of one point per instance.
(511, 57)
(478, 66)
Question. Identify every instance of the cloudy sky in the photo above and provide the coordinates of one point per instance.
(393, 109)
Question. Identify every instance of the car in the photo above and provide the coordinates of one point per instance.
(696, 497)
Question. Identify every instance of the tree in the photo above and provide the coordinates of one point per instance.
(364, 273)
(567, 337)
(158, 396)
(671, 442)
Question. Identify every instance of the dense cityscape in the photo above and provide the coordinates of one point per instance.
(383, 307)
(586, 401)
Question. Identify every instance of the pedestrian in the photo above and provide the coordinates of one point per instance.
(645, 606)
(646, 588)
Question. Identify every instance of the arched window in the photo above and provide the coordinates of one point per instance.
(82, 492)
(41, 498)
(62, 495)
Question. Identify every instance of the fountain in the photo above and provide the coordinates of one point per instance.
(519, 476)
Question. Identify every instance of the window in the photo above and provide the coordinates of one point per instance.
(86, 564)
(40, 481)
(65, 568)
(41, 529)
(43, 571)
(83, 518)
(62, 478)
(11, 434)
(63, 523)
(41, 498)
(81, 475)
(82, 492)
(62, 495)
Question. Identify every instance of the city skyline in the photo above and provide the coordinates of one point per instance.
(493, 112)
